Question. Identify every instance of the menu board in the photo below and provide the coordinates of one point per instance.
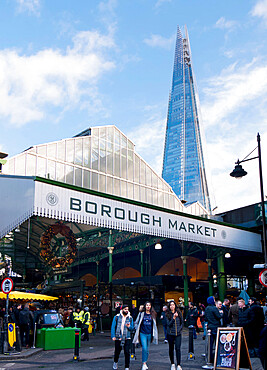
(229, 345)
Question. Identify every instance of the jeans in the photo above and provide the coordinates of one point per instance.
(127, 349)
(145, 340)
(175, 340)
(165, 331)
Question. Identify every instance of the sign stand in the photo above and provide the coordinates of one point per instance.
(6, 286)
(231, 350)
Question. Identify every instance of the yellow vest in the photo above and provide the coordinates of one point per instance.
(86, 318)
(80, 316)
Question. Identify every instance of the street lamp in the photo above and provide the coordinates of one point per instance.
(239, 172)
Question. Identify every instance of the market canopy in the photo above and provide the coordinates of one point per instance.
(28, 296)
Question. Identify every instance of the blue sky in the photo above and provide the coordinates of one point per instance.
(68, 65)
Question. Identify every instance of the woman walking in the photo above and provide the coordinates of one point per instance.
(146, 331)
(174, 333)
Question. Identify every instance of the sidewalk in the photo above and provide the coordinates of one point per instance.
(98, 354)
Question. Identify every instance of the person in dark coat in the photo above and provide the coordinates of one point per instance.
(174, 320)
(191, 317)
(164, 322)
(263, 347)
(226, 308)
(233, 313)
(213, 318)
(25, 324)
(256, 322)
(244, 320)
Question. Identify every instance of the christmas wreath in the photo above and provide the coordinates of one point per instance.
(47, 253)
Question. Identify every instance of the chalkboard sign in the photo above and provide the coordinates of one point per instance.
(231, 349)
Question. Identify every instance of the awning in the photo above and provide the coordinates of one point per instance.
(28, 296)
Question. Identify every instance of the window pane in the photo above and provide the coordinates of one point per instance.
(94, 181)
(124, 163)
(60, 175)
(86, 152)
(110, 158)
(78, 176)
(31, 165)
(61, 150)
(51, 150)
(123, 189)
(70, 151)
(109, 185)
(78, 152)
(117, 161)
(117, 190)
(130, 165)
(51, 169)
(41, 167)
(102, 183)
(69, 174)
(142, 172)
(143, 194)
(86, 179)
(95, 153)
(42, 150)
(130, 190)
(136, 169)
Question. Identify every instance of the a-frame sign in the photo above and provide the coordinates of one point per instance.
(231, 350)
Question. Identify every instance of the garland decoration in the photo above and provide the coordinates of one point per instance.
(47, 253)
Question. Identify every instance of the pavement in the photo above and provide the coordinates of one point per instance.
(98, 354)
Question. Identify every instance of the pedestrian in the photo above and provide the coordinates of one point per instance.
(233, 313)
(226, 308)
(213, 318)
(25, 324)
(174, 320)
(201, 315)
(191, 318)
(146, 331)
(134, 312)
(218, 304)
(78, 317)
(263, 347)
(265, 312)
(164, 322)
(256, 323)
(85, 324)
(244, 321)
(121, 328)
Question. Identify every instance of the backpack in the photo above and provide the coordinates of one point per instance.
(24, 317)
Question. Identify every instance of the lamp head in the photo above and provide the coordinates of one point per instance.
(238, 172)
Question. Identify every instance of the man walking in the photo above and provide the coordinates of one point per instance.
(213, 318)
(122, 326)
(85, 324)
(164, 322)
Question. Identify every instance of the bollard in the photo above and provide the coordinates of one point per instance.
(76, 345)
(18, 346)
(191, 355)
(34, 335)
(101, 328)
(2, 341)
(208, 365)
(133, 356)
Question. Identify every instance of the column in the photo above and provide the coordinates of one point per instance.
(185, 277)
(250, 277)
(141, 262)
(110, 252)
(210, 278)
(221, 277)
(97, 274)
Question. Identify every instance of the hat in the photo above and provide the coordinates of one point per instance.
(86, 308)
(211, 301)
(124, 306)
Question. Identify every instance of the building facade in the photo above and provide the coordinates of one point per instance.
(183, 163)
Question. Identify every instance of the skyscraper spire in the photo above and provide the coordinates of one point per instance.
(183, 162)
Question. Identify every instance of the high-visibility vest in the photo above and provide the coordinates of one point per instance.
(86, 318)
(75, 316)
(80, 316)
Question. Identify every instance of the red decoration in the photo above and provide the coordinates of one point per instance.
(47, 253)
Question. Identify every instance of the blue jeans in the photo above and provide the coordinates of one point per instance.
(145, 340)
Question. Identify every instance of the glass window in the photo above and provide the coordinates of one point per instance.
(110, 158)
(41, 149)
(31, 165)
(109, 185)
(87, 152)
(110, 134)
(124, 163)
(51, 169)
(117, 137)
(52, 150)
(142, 172)
(148, 176)
(160, 199)
(130, 165)
(60, 175)
(123, 141)
(102, 132)
(117, 189)
(154, 180)
(86, 179)
(41, 167)
(142, 194)
(78, 176)
(149, 196)
(78, 151)
(20, 165)
(102, 183)
(69, 171)
(95, 181)
(103, 158)
(70, 151)
(124, 189)
(117, 161)
(95, 154)
(136, 169)
(130, 190)
(61, 146)
(136, 192)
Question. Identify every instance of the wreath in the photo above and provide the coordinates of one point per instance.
(47, 253)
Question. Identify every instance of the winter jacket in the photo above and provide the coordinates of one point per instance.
(244, 317)
(191, 317)
(233, 314)
(174, 326)
(163, 318)
(213, 318)
(225, 317)
(137, 325)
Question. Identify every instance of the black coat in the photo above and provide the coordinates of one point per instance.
(257, 322)
(244, 317)
(174, 327)
(213, 318)
(191, 317)
(225, 317)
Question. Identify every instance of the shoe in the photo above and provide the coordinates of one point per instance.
(179, 367)
(126, 368)
(144, 367)
(115, 366)
(173, 367)
(165, 341)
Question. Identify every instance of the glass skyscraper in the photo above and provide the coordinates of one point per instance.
(183, 162)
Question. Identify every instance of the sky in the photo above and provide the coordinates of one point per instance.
(68, 65)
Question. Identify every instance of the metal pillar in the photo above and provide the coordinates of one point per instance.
(185, 277)
(141, 262)
(97, 275)
(210, 277)
(221, 277)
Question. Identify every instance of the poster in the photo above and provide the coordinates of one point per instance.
(227, 348)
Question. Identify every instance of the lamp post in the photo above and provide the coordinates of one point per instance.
(239, 172)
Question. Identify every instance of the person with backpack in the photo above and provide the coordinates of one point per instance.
(25, 324)
(121, 328)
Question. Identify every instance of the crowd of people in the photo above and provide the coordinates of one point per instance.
(128, 330)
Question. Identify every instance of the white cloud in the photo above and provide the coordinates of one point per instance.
(30, 6)
(160, 41)
(161, 2)
(31, 85)
(260, 10)
(222, 23)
